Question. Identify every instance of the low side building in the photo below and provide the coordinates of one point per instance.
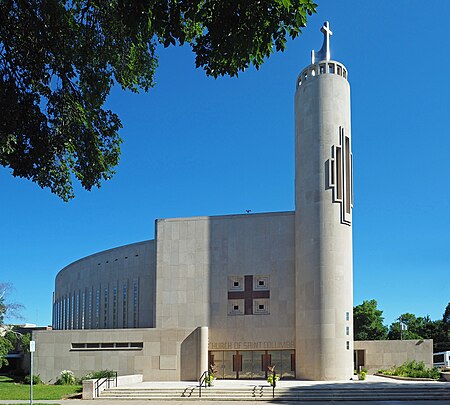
(382, 354)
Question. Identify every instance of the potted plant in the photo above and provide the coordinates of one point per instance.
(211, 377)
(272, 378)
(362, 374)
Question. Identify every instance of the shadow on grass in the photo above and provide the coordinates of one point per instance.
(10, 379)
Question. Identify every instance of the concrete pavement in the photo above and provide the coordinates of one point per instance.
(371, 382)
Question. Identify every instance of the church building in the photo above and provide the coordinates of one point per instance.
(241, 292)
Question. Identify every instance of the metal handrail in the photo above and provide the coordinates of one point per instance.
(202, 380)
(106, 380)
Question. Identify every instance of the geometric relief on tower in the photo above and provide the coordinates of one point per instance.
(340, 176)
(248, 295)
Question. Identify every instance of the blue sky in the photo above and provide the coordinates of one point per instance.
(198, 146)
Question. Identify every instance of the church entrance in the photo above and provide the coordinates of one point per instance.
(252, 364)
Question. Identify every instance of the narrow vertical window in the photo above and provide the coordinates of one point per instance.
(135, 303)
(83, 307)
(331, 167)
(347, 330)
(115, 307)
(58, 314)
(97, 309)
(105, 309)
(347, 316)
(351, 177)
(68, 312)
(53, 312)
(124, 305)
(77, 310)
(72, 311)
(348, 194)
(56, 326)
(90, 309)
(339, 172)
(63, 313)
(340, 175)
(347, 345)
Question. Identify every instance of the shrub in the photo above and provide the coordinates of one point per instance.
(412, 369)
(36, 379)
(66, 377)
(99, 374)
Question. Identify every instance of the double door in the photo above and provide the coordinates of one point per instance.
(252, 364)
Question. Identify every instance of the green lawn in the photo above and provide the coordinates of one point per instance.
(12, 390)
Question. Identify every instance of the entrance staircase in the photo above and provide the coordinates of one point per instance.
(325, 392)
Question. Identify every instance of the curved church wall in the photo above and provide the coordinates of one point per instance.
(107, 290)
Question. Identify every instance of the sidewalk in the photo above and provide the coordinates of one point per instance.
(372, 381)
(202, 402)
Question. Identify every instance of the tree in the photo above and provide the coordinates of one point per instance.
(59, 60)
(442, 342)
(424, 328)
(446, 316)
(415, 327)
(8, 338)
(368, 322)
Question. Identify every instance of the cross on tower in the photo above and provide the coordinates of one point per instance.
(326, 39)
(248, 295)
(327, 32)
(324, 53)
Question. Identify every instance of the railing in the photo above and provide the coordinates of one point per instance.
(202, 380)
(107, 381)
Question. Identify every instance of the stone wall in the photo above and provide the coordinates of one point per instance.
(258, 248)
(382, 354)
(200, 258)
(98, 291)
(159, 355)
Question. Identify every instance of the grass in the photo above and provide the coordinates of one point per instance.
(9, 389)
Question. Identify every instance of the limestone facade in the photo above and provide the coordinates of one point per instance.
(240, 291)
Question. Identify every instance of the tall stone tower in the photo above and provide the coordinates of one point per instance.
(323, 219)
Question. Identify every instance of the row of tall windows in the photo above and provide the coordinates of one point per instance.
(80, 310)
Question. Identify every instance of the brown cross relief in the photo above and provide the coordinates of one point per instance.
(248, 295)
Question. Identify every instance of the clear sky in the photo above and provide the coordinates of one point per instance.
(198, 146)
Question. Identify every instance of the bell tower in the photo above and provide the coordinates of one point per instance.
(323, 219)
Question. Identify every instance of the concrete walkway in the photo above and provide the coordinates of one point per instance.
(191, 402)
(372, 381)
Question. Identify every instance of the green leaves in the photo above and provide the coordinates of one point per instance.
(368, 322)
(243, 33)
(368, 325)
(59, 60)
(8, 339)
(5, 347)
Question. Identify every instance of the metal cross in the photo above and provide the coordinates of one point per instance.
(324, 53)
(326, 40)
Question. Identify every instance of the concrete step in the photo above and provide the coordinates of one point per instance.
(357, 393)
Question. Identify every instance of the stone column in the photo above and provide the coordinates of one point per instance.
(203, 349)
